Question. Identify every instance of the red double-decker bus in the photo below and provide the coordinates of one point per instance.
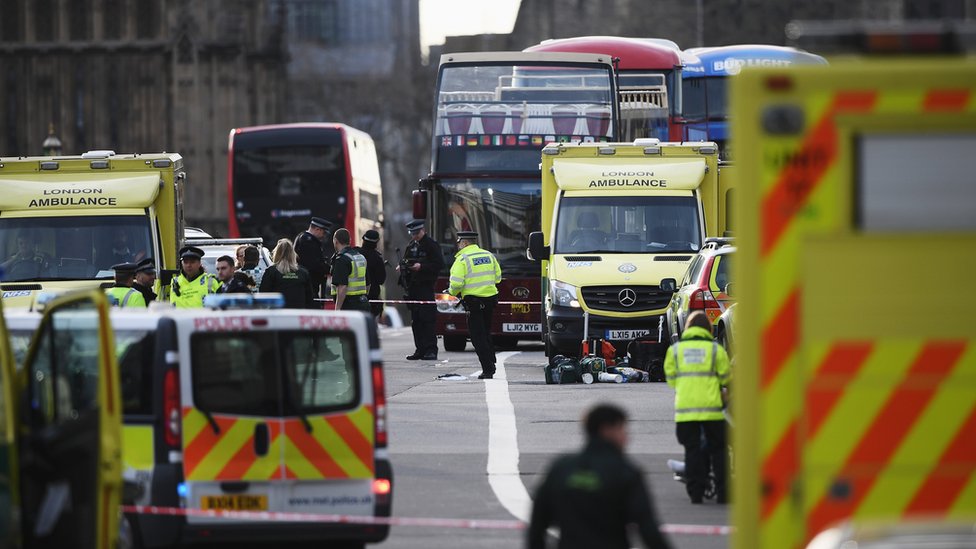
(494, 112)
(278, 176)
(649, 80)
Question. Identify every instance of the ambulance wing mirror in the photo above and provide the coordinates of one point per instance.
(166, 276)
(71, 408)
(537, 250)
(669, 285)
(728, 289)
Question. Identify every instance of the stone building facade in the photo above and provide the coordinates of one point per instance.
(141, 76)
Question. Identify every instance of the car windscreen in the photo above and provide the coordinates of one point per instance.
(71, 248)
(274, 373)
(627, 224)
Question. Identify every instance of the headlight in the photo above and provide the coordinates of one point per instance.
(562, 294)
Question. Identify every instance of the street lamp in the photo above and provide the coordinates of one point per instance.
(51, 145)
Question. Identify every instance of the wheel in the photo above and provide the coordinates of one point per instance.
(455, 344)
(723, 339)
(550, 352)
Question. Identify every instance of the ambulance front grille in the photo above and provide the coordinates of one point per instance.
(615, 298)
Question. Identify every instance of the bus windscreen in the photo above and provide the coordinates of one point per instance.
(280, 179)
(511, 107)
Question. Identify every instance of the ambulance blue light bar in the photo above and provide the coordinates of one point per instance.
(244, 301)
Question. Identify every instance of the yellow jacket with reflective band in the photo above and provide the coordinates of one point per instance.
(357, 277)
(697, 367)
(127, 297)
(186, 293)
(475, 272)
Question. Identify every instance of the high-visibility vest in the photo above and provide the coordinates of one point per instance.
(186, 293)
(475, 272)
(697, 367)
(127, 297)
(357, 276)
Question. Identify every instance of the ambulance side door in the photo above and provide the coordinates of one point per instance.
(9, 500)
(70, 425)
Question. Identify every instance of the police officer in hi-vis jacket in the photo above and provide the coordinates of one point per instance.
(474, 278)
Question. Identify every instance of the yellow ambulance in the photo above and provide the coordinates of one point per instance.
(617, 219)
(244, 406)
(64, 221)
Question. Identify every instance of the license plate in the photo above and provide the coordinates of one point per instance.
(616, 335)
(521, 327)
(236, 502)
(521, 308)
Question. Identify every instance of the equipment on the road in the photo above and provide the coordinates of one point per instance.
(855, 381)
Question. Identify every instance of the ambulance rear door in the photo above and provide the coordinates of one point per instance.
(70, 423)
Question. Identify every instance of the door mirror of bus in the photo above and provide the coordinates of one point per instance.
(420, 204)
(537, 250)
(669, 285)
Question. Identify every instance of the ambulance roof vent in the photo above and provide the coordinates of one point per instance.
(98, 154)
(647, 142)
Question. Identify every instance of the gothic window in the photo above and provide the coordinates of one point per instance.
(314, 21)
(113, 15)
(44, 20)
(147, 15)
(10, 22)
(79, 11)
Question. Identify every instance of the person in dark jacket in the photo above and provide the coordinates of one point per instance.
(422, 262)
(287, 278)
(592, 496)
(375, 269)
(235, 282)
(146, 279)
(311, 254)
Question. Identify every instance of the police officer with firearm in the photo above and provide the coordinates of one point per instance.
(145, 279)
(188, 289)
(308, 247)
(375, 269)
(474, 277)
(122, 293)
(348, 275)
(421, 263)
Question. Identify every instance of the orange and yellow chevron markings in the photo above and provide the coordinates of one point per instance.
(338, 446)
(228, 453)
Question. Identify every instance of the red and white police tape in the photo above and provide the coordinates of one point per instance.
(435, 302)
(482, 524)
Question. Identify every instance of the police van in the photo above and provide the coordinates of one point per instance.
(237, 408)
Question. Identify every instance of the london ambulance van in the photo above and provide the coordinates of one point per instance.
(238, 408)
(64, 221)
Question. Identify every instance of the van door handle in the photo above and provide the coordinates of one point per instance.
(261, 439)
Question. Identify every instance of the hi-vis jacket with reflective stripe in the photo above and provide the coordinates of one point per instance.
(190, 293)
(126, 297)
(475, 272)
(697, 368)
(356, 281)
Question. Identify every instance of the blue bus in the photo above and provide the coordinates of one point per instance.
(704, 113)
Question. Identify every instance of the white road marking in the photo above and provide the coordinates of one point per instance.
(503, 452)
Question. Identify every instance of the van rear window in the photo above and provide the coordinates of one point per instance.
(135, 350)
(274, 373)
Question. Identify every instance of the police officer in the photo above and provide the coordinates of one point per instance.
(122, 292)
(311, 255)
(474, 277)
(422, 261)
(348, 275)
(193, 283)
(375, 269)
(145, 279)
(698, 367)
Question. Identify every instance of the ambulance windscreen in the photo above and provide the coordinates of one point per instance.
(627, 224)
(71, 247)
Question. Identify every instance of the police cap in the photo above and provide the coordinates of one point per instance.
(415, 225)
(321, 223)
(467, 235)
(146, 266)
(190, 252)
(124, 268)
(371, 236)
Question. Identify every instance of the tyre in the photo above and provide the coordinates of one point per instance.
(550, 352)
(455, 344)
(723, 339)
